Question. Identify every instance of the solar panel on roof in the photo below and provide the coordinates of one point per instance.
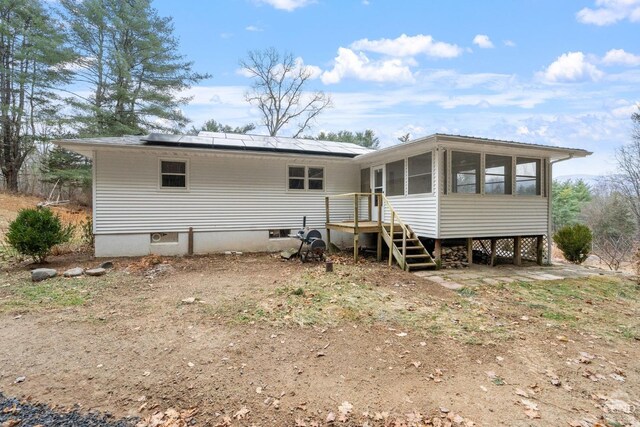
(228, 143)
(190, 139)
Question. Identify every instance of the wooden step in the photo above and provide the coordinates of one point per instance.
(421, 265)
(408, 240)
(418, 256)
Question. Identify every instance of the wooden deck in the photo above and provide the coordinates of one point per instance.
(362, 226)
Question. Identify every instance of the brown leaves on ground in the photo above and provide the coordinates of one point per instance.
(169, 418)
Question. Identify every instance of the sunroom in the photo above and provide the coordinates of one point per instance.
(490, 197)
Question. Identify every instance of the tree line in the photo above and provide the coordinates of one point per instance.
(610, 208)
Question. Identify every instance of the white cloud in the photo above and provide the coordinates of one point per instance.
(409, 46)
(288, 5)
(509, 43)
(620, 57)
(571, 67)
(357, 65)
(253, 28)
(609, 12)
(483, 41)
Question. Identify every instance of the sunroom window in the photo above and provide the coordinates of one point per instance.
(527, 176)
(419, 172)
(497, 174)
(465, 172)
(395, 178)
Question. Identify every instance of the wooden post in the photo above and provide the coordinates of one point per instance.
(328, 220)
(355, 228)
(492, 262)
(437, 249)
(379, 250)
(379, 197)
(369, 206)
(190, 242)
(470, 250)
(404, 248)
(391, 238)
(517, 250)
(379, 201)
(539, 242)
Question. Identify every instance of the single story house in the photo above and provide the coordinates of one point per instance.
(240, 192)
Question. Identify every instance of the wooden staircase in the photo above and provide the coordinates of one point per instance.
(404, 245)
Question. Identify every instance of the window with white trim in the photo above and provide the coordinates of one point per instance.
(420, 174)
(497, 174)
(173, 174)
(306, 178)
(528, 176)
(465, 172)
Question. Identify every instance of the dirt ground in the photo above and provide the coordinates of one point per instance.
(254, 340)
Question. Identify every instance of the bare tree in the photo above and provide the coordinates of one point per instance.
(278, 90)
(627, 179)
(613, 225)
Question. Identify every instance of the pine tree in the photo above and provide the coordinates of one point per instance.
(33, 61)
(129, 59)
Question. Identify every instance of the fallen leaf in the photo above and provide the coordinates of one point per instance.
(521, 392)
(529, 404)
(241, 413)
(345, 408)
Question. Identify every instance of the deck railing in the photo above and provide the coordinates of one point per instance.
(384, 206)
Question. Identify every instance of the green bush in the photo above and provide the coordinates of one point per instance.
(574, 241)
(35, 231)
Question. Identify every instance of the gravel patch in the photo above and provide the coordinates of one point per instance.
(23, 414)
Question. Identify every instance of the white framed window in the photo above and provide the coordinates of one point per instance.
(305, 178)
(174, 174)
(528, 177)
(498, 171)
(465, 172)
(419, 172)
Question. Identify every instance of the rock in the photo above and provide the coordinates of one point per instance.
(40, 274)
(107, 265)
(189, 300)
(95, 272)
(20, 380)
(73, 272)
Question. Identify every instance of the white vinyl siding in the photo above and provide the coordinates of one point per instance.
(419, 211)
(225, 194)
(492, 216)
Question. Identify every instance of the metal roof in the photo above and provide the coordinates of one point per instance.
(229, 141)
(442, 137)
(233, 141)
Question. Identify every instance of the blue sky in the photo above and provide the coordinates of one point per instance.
(563, 73)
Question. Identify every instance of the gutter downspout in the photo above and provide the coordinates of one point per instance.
(549, 205)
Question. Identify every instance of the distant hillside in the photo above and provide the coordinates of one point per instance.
(588, 179)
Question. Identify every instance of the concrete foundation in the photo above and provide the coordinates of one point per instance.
(139, 244)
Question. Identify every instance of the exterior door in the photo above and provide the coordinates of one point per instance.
(377, 186)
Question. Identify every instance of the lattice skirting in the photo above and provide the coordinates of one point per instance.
(505, 249)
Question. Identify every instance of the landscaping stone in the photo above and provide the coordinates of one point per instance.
(40, 274)
(106, 265)
(96, 272)
(74, 272)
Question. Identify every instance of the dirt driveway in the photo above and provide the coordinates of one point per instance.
(253, 340)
